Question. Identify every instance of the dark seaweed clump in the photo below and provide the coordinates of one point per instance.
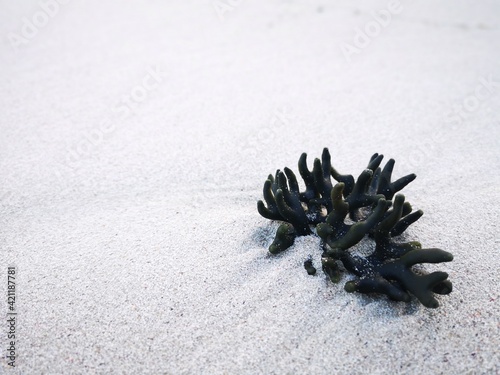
(375, 211)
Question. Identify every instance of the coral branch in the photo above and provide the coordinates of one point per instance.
(389, 188)
(285, 237)
(376, 211)
(392, 277)
(270, 212)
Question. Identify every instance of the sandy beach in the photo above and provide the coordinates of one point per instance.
(135, 139)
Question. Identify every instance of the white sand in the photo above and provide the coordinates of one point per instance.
(145, 254)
